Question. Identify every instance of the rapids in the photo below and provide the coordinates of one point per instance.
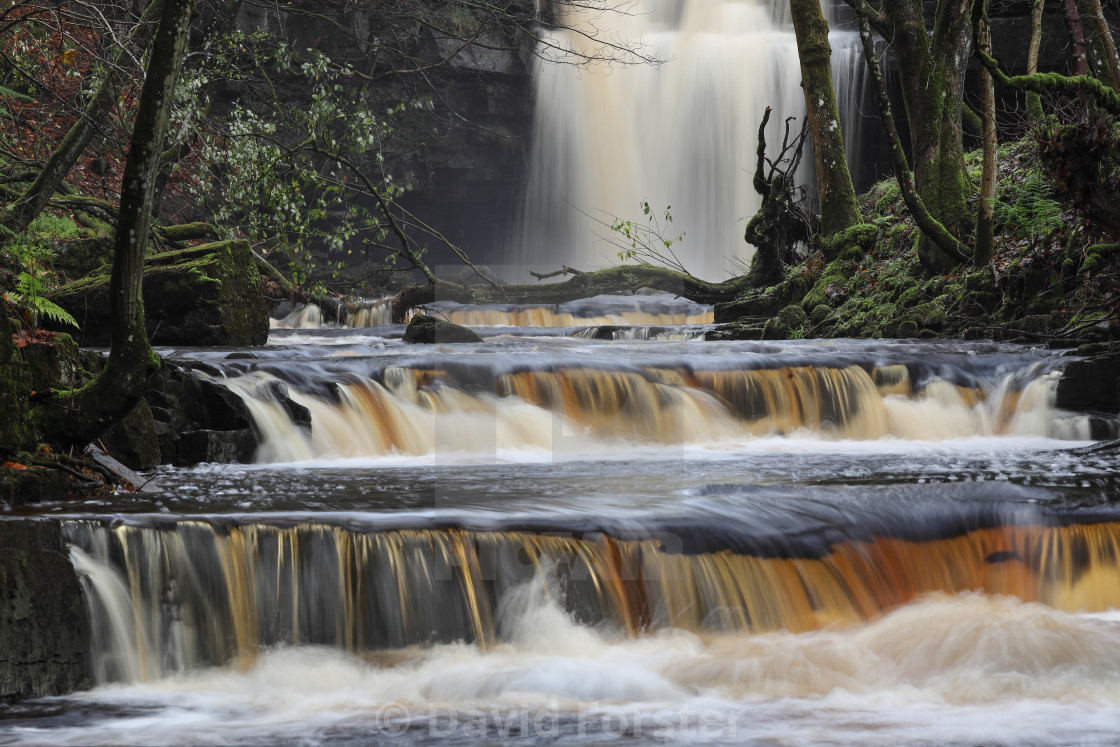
(562, 535)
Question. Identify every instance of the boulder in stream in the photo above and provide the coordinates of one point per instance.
(424, 329)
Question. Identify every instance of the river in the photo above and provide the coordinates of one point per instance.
(551, 538)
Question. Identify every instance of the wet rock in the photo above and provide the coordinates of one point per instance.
(1092, 384)
(196, 419)
(749, 328)
(20, 487)
(44, 634)
(224, 447)
(205, 295)
(1103, 428)
(424, 329)
(134, 441)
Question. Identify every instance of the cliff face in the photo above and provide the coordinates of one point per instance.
(462, 161)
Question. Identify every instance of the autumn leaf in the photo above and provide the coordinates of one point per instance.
(69, 57)
(15, 465)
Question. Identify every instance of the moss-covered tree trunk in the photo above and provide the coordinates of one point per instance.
(932, 69)
(85, 128)
(984, 238)
(82, 415)
(1100, 45)
(1034, 101)
(839, 209)
(932, 230)
(584, 285)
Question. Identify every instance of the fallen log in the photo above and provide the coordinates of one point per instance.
(625, 278)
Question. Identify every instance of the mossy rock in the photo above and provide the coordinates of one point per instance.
(979, 281)
(911, 296)
(851, 243)
(52, 364)
(747, 328)
(205, 295)
(427, 330)
(929, 316)
(820, 313)
(907, 329)
(766, 302)
(790, 322)
(832, 286)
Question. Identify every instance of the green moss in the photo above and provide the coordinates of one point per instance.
(833, 283)
(929, 316)
(884, 196)
(208, 294)
(911, 297)
(820, 313)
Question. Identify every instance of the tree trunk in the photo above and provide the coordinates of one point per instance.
(85, 128)
(1034, 101)
(1102, 46)
(839, 209)
(80, 416)
(1078, 57)
(932, 230)
(932, 70)
(984, 239)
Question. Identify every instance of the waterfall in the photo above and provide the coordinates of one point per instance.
(192, 593)
(476, 409)
(681, 135)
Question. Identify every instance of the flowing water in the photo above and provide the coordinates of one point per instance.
(680, 135)
(553, 537)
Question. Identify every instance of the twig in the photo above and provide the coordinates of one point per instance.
(565, 270)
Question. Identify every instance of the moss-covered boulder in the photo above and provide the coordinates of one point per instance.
(204, 295)
(790, 322)
(424, 329)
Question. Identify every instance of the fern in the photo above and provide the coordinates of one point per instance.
(29, 290)
(1031, 211)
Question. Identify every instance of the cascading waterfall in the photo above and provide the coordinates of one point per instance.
(358, 314)
(450, 537)
(191, 593)
(422, 411)
(659, 309)
(681, 135)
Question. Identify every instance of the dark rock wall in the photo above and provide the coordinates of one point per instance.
(44, 633)
(207, 295)
(464, 161)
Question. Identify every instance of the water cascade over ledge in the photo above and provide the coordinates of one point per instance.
(608, 137)
(474, 405)
(172, 596)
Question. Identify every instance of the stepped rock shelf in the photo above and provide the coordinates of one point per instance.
(606, 517)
